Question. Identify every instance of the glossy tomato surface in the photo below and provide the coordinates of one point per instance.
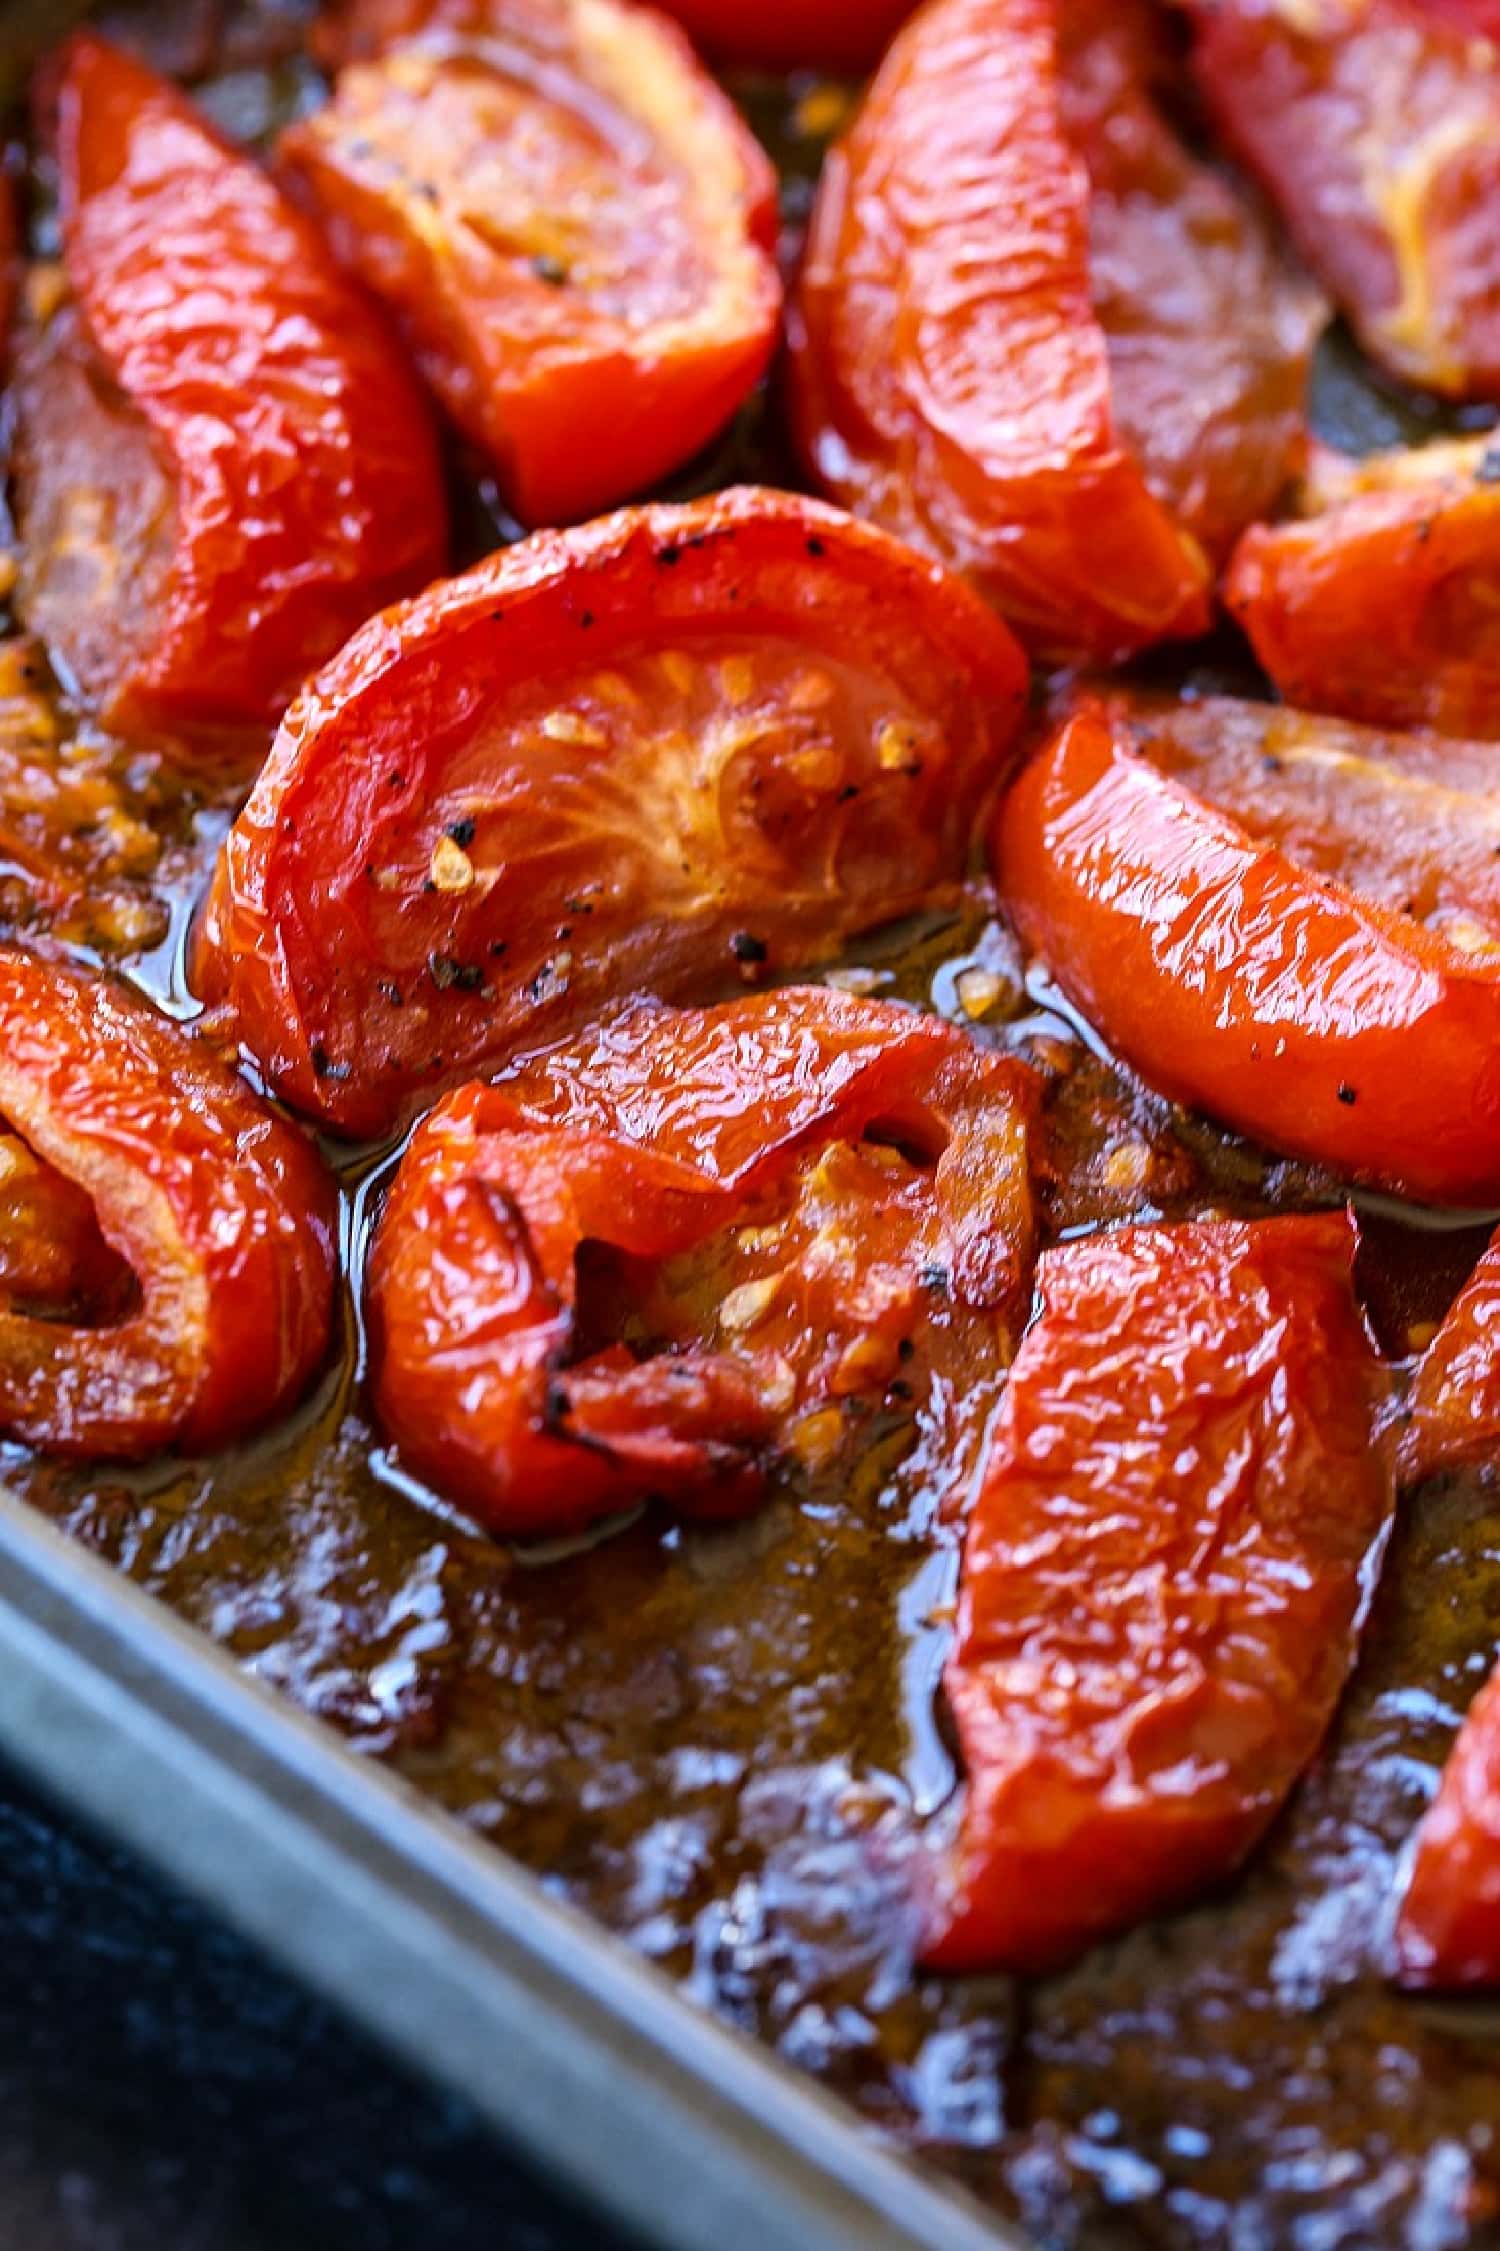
(1031, 325)
(222, 464)
(1448, 1931)
(569, 220)
(1165, 1573)
(655, 1259)
(678, 747)
(204, 1222)
(786, 35)
(1455, 1395)
(1375, 125)
(1383, 600)
(1241, 981)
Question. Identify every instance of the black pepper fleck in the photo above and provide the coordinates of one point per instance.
(1347, 1092)
(745, 947)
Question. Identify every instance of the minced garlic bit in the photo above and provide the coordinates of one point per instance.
(451, 868)
(1128, 1166)
(46, 288)
(978, 991)
(895, 747)
(744, 1306)
(572, 727)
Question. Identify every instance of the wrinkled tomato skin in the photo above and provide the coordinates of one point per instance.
(220, 1208)
(1455, 1395)
(215, 382)
(602, 316)
(677, 746)
(1375, 127)
(950, 378)
(1448, 1930)
(689, 1146)
(1164, 1578)
(1242, 984)
(1381, 603)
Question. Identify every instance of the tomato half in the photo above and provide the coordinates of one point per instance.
(1165, 1574)
(1384, 601)
(222, 465)
(676, 746)
(205, 1261)
(1246, 983)
(651, 1260)
(1448, 1931)
(1030, 325)
(572, 225)
(1375, 125)
(1455, 1395)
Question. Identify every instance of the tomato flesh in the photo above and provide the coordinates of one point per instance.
(1164, 1578)
(211, 498)
(1383, 602)
(1454, 1406)
(1373, 124)
(1251, 986)
(1448, 1930)
(675, 748)
(572, 225)
(139, 1151)
(650, 1262)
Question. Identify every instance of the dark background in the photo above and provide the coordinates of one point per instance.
(162, 2089)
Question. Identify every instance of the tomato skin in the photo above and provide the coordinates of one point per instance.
(222, 1210)
(293, 474)
(1448, 1930)
(1381, 602)
(780, 35)
(1455, 1394)
(934, 393)
(1372, 123)
(582, 392)
(626, 830)
(1237, 982)
(1164, 1578)
(672, 1136)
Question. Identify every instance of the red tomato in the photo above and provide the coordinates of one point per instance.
(1448, 1931)
(1244, 983)
(1375, 125)
(789, 1205)
(1383, 602)
(222, 465)
(1030, 324)
(649, 755)
(1166, 1570)
(1455, 1397)
(220, 1211)
(790, 35)
(572, 224)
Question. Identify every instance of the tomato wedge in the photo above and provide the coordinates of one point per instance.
(1239, 980)
(1383, 602)
(1455, 1395)
(1375, 125)
(656, 1257)
(1166, 1571)
(674, 747)
(1448, 1931)
(1031, 326)
(222, 465)
(570, 221)
(220, 1220)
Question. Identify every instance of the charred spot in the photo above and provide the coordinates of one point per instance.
(389, 990)
(745, 946)
(586, 620)
(324, 1066)
(395, 779)
(669, 556)
(550, 270)
(1347, 1093)
(449, 975)
(462, 832)
(849, 790)
(498, 946)
(815, 547)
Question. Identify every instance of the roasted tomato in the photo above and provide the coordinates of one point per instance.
(1448, 1931)
(573, 226)
(183, 1288)
(1166, 1570)
(1384, 600)
(222, 466)
(1455, 1397)
(1216, 955)
(654, 1257)
(1030, 325)
(786, 35)
(1375, 124)
(643, 756)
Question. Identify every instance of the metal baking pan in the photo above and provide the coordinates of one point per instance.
(576, 2052)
